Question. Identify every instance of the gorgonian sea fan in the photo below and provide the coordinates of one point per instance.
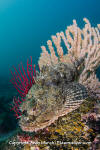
(22, 81)
(66, 79)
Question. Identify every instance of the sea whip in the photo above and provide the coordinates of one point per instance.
(22, 81)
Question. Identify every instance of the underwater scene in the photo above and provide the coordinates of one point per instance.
(49, 75)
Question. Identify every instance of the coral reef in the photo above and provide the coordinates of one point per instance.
(64, 93)
(53, 96)
(22, 81)
(65, 81)
(71, 129)
(80, 44)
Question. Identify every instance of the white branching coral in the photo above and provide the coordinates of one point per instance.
(93, 84)
(80, 43)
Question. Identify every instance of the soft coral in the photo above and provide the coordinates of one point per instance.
(22, 81)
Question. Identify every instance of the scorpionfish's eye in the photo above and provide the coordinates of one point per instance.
(24, 112)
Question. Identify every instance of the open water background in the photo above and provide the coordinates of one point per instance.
(25, 25)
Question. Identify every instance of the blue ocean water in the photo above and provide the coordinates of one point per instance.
(25, 25)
